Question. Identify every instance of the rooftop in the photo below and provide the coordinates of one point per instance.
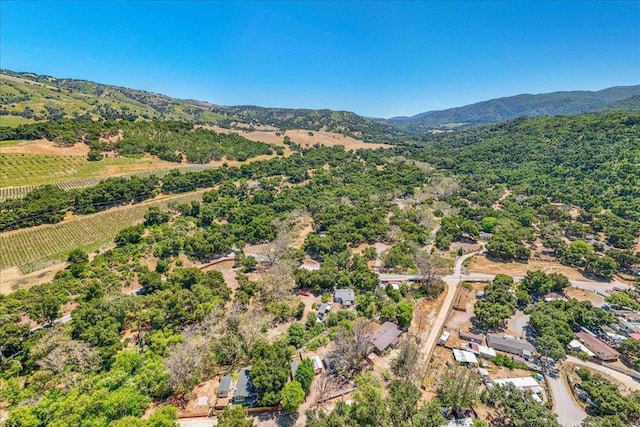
(244, 387)
(600, 348)
(385, 336)
(225, 384)
(508, 344)
(344, 295)
(463, 356)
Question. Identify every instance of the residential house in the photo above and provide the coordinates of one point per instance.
(602, 350)
(344, 297)
(483, 351)
(245, 392)
(387, 335)
(465, 357)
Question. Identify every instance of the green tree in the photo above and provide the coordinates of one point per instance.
(234, 416)
(293, 396)
(305, 374)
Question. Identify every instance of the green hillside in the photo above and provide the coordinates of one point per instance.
(27, 97)
(549, 104)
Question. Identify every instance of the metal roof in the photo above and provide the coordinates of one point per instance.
(387, 335)
(225, 384)
(464, 356)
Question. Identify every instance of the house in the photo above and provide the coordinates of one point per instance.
(225, 386)
(553, 296)
(245, 392)
(483, 351)
(344, 297)
(510, 345)
(602, 350)
(387, 335)
(468, 336)
(317, 364)
(634, 336)
(465, 357)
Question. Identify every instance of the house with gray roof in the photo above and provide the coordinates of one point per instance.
(245, 392)
(510, 345)
(225, 386)
(345, 297)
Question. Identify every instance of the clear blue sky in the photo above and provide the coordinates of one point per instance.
(374, 58)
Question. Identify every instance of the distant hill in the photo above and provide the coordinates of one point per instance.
(28, 97)
(625, 98)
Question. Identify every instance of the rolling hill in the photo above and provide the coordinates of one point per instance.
(549, 104)
(28, 97)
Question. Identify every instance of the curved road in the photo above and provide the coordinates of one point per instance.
(569, 413)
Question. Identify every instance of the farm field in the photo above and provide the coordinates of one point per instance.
(14, 121)
(31, 249)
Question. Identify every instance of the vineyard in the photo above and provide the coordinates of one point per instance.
(31, 170)
(19, 192)
(30, 249)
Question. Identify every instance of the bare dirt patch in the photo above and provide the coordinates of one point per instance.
(44, 146)
(304, 138)
(480, 264)
(229, 274)
(583, 295)
(12, 279)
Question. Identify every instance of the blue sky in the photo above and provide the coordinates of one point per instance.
(375, 58)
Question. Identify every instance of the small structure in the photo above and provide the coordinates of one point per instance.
(225, 386)
(317, 364)
(245, 392)
(444, 337)
(387, 335)
(483, 372)
(466, 357)
(460, 422)
(510, 345)
(601, 349)
(344, 297)
(483, 351)
(634, 336)
(323, 310)
(294, 368)
(553, 296)
(468, 336)
(522, 383)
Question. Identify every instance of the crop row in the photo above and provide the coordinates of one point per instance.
(31, 248)
(19, 192)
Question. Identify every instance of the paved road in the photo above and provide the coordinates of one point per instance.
(629, 382)
(569, 413)
(482, 277)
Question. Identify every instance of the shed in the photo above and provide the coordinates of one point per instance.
(522, 383)
(345, 297)
(387, 335)
(463, 356)
(510, 345)
(444, 337)
(317, 364)
(483, 372)
(468, 336)
(225, 386)
(294, 368)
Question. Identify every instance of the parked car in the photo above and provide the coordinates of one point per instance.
(304, 293)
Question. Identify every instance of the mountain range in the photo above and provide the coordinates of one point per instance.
(28, 97)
